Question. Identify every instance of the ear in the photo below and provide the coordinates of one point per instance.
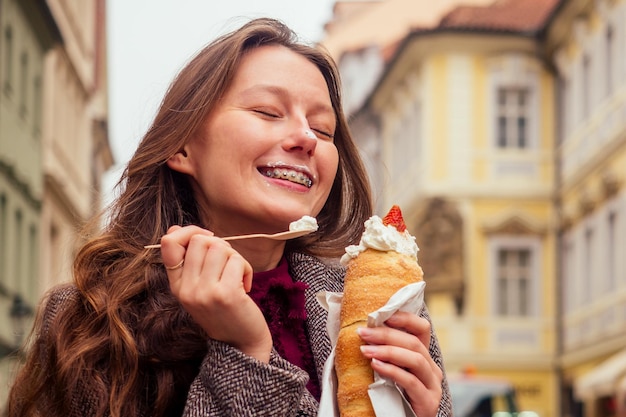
(180, 162)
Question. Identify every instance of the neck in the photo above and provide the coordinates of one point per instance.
(262, 254)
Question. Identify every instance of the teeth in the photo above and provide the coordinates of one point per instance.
(289, 175)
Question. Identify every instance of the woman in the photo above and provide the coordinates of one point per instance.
(249, 137)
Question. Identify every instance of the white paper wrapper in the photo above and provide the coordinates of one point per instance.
(386, 397)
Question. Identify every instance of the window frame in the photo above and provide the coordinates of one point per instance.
(533, 244)
(514, 72)
(7, 55)
(513, 109)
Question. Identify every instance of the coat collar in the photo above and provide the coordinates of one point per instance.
(319, 276)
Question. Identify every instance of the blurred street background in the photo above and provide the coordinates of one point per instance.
(498, 126)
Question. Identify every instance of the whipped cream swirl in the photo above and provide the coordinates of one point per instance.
(305, 223)
(383, 238)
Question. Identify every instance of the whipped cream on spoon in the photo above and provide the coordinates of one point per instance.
(301, 227)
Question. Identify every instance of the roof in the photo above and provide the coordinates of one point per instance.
(385, 22)
(502, 15)
(396, 28)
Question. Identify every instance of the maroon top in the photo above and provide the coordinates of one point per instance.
(282, 302)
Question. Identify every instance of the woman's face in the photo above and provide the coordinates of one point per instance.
(256, 165)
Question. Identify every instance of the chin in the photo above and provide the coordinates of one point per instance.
(290, 214)
(286, 208)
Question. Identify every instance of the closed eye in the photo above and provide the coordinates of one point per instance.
(266, 113)
(325, 134)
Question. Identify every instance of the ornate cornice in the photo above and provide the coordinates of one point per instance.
(590, 199)
(514, 223)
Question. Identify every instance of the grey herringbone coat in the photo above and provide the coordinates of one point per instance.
(232, 384)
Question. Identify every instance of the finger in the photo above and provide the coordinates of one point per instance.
(424, 399)
(173, 259)
(174, 243)
(193, 273)
(424, 390)
(216, 255)
(173, 228)
(404, 377)
(413, 324)
(401, 349)
(393, 337)
(238, 271)
(418, 364)
(184, 234)
(200, 278)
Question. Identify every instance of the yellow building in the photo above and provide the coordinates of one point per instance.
(456, 120)
(587, 43)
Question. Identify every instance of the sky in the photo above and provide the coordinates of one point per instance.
(150, 40)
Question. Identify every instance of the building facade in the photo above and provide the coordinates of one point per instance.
(501, 131)
(587, 43)
(458, 127)
(28, 32)
(53, 151)
(76, 151)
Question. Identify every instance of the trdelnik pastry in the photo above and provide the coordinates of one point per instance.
(384, 262)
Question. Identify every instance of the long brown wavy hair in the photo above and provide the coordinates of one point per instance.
(124, 342)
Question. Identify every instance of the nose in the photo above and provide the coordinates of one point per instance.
(302, 139)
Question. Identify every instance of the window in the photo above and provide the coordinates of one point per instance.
(37, 106)
(563, 109)
(610, 45)
(513, 110)
(514, 273)
(8, 59)
(23, 84)
(3, 239)
(586, 86)
(31, 278)
(513, 282)
(611, 251)
(407, 136)
(588, 267)
(568, 277)
(18, 277)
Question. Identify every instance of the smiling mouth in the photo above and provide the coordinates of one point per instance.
(287, 174)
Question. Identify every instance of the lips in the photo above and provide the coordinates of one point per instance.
(288, 174)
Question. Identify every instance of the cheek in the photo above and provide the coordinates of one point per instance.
(331, 164)
(328, 170)
(241, 143)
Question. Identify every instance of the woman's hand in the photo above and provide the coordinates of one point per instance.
(400, 352)
(212, 285)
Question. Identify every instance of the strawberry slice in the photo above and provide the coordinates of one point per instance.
(394, 218)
